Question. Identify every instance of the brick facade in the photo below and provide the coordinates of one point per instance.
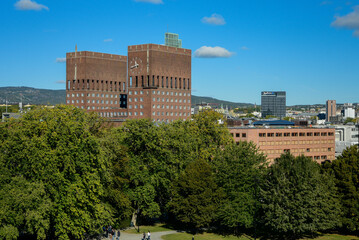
(155, 79)
(316, 143)
(159, 80)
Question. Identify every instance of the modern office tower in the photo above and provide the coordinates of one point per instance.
(159, 80)
(171, 40)
(273, 104)
(331, 109)
(97, 82)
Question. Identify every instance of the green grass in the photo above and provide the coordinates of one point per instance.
(336, 237)
(211, 236)
(204, 236)
(155, 228)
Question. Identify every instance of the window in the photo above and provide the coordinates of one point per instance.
(244, 135)
(237, 135)
(330, 134)
(270, 134)
(316, 134)
(278, 134)
(309, 134)
(286, 134)
(323, 134)
(262, 134)
(301, 134)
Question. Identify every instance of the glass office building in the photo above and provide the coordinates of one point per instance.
(171, 40)
(273, 104)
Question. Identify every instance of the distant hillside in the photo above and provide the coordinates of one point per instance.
(53, 97)
(204, 100)
(31, 95)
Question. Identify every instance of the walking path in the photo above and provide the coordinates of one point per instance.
(154, 235)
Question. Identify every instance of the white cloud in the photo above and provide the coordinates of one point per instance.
(60, 60)
(212, 52)
(26, 5)
(349, 21)
(244, 48)
(214, 19)
(151, 1)
(108, 40)
(60, 81)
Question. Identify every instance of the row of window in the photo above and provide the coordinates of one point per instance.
(160, 93)
(296, 134)
(112, 114)
(94, 95)
(272, 143)
(95, 101)
(157, 81)
(299, 150)
(170, 114)
(96, 85)
(159, 100)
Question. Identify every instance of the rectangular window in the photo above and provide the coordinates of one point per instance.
(237, 135)
(244, 135)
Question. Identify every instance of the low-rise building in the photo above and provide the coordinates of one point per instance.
(316, 143)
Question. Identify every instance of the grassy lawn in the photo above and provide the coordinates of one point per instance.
(336, 237)
(210, 236)
(155, 228)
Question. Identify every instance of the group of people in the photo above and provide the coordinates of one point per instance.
(148, 237)
(111, 233)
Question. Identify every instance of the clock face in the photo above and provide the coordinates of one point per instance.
(135, 65)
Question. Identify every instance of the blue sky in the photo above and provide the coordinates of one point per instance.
(308, 48)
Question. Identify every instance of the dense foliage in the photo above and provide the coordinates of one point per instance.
(298, 199)
(346, 171)
(53, 168)
(64, 174)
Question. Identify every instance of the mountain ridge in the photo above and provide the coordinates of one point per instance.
(38, 96)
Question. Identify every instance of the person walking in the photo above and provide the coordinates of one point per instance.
(144, 236)
(148, 235)
(118, 235)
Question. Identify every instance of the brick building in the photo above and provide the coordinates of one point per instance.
(316, 143)
(153, 82)
(97, 82)
(159, 82)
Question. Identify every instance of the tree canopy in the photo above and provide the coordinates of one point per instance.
(297, 198)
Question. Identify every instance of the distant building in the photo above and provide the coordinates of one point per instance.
(316, 143)
(172, 40)
(348, 111)
(273, 104)
(331, 109)
(345, 136)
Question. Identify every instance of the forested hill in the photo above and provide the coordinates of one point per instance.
(29, 95)
(53, 97)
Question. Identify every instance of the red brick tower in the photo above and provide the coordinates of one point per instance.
(159, 82)
(96, 81)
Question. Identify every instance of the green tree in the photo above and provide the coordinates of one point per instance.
(346, 171)
(298, 199)
(58, 155)
(195, 195)
(238, 170)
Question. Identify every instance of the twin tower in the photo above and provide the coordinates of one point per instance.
(153, 81)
